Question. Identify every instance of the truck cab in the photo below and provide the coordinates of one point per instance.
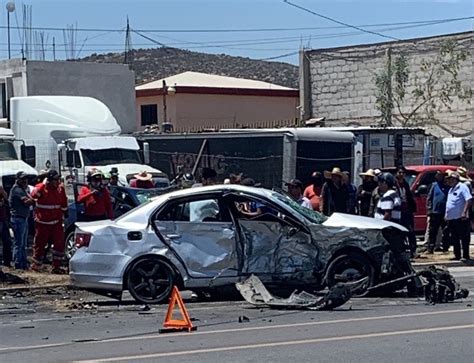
(107, 152)
(85, 133)
(10, 163)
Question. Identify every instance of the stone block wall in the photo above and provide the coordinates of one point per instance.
(339, 83)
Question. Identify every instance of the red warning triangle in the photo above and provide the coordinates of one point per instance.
(179, 324)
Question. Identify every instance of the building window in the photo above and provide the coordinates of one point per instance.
(149, 114)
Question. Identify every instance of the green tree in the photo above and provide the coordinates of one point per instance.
(418, 100)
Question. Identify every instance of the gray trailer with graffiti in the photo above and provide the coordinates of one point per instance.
(269, 156)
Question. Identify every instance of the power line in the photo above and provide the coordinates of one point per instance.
(339, 22)
(279, 56)
(244, 30)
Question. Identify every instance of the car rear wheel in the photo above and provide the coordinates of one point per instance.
(349, 268)
(150, 280)
(70, 245)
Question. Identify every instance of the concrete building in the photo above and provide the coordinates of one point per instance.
(113, 84)
(338, 83)
(192, 101)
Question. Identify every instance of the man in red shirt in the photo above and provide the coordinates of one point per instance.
(96, 199)
(313, 191)
(51, 205)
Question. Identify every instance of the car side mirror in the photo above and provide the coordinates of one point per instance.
(28, 155)
(422, 190)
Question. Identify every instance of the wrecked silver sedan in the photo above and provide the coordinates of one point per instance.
(206, 238)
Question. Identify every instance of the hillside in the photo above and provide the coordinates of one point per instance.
(157, 63)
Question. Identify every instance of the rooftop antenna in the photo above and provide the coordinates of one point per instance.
(10, 9)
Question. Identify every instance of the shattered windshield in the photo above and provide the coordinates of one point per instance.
(311, 215)
(145, 196)
(110, 156)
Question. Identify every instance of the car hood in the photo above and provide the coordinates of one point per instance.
(349, 220)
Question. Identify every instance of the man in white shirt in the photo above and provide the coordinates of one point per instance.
(389, 205)
(457, 215)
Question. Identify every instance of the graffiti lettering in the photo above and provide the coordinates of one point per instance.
(187, 161)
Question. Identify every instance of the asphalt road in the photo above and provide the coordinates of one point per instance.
(368, 329)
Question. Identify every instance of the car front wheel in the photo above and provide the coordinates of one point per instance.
(349, 268)
(150, 280)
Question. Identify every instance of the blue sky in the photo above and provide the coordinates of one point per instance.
(232, 15)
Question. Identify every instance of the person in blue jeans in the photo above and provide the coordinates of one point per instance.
(20, 202)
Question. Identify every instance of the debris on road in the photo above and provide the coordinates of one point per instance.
(441, 287)
(243, 319)
(256, 293)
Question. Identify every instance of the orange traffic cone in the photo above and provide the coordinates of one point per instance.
(173, 325)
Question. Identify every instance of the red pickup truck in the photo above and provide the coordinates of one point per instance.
(420, 178)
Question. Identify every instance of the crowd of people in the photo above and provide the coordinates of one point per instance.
(388, 197)
(44, 205)
(380, 195)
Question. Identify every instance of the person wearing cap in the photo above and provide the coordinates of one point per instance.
(408, 207)
(96, 199)
(457, 215)
(334, 193)
(143, 180)
(51, 207)
(295, 189)
(20, 202)
(435, 210)
(389, 205)
(114, 177)
(364, 192)
(313, 191)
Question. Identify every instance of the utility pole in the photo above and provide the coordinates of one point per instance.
(165, 91)
(128, 46)
(54, 49)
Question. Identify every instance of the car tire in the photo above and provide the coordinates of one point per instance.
(70, 245)
(348, 268)
(150, 280)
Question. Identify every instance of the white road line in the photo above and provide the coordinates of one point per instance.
(221, 331)
(282, 326)
(282, 344)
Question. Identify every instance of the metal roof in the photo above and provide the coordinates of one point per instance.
(196, 79)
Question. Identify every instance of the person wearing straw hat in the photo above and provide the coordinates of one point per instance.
(334, 193)
(457, 216)
(365, 190)
(142, 181)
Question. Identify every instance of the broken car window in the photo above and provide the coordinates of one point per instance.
(205, 210)
(311, 215)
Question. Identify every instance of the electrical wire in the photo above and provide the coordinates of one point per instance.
(339, 22)
(242, 30)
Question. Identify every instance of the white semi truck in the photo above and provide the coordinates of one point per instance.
(10, 164)
(76, 134)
